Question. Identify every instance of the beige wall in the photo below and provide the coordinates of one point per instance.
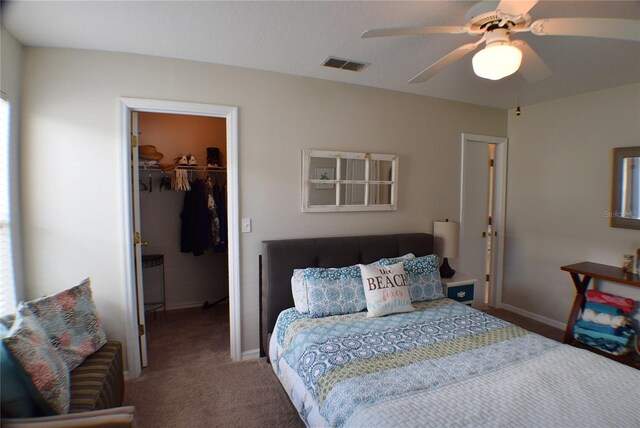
(73, 201)
(559, 187)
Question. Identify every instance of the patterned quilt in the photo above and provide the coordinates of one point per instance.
(350, 370)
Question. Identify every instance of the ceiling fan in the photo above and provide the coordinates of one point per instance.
(501, 56)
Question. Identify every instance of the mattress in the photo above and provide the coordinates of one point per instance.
(445, 364)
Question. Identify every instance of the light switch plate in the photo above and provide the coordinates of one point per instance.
(246, 225)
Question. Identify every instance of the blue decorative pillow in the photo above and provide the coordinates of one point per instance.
(71, 322)
(16, 389)
(394, 260)
(30, 347)
(334, 291)
(423, 278)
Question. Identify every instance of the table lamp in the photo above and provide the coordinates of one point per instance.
(446, 235)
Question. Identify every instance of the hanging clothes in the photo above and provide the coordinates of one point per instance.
(213, 209)
(220, 199)
(195, 233)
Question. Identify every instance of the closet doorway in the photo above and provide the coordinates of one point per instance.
(182, 159)
(482, 214)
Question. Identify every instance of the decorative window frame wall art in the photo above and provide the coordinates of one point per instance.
(324, 174)
(335, 181)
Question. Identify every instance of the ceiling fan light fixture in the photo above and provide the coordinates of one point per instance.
(497, 61)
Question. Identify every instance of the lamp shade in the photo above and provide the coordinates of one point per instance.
(497, 61)
(446, 234)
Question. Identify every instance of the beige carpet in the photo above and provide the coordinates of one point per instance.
(192, 382)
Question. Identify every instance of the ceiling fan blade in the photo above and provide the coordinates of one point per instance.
(533, 68)
(516, 7)
(609, 28)
(439, 65)
(411, 31)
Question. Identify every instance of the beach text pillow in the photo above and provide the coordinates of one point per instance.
(385, 289)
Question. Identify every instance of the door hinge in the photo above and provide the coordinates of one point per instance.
(141, 330)
(136, 238)
(489, 221)
(491, 162)
(486, 278)
(134, 141)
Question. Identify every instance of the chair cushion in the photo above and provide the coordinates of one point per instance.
(98, 383)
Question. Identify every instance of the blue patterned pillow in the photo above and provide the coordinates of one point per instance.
(394, 260)
(30, 347)
(16, 389)
(423, 278)
(334, 291)
(71, 321)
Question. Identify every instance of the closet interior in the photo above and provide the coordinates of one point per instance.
(183, 202)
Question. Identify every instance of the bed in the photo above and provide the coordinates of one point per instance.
(444, 364)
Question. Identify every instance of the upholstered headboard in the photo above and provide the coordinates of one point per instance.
(280, 258)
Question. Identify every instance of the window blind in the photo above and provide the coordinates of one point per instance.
(7, 282)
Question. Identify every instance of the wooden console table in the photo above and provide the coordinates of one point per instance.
(590, 270)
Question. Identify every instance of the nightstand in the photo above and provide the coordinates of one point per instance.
(459, 288)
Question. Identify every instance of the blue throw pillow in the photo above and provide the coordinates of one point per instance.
(334, 291)
(423, 278)
(394, 260)
(16, 389)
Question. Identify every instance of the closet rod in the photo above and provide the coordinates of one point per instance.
(155, 168)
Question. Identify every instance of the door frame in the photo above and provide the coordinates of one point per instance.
(500, 205)
(230, 113)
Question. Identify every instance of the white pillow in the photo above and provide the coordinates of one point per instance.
(299, 291)
(385, 288)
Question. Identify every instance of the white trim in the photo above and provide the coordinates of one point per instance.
(230, 113)
(500, 196)
(251, 354)
(548, 321)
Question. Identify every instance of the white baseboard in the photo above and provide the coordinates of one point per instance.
(553, 323)
(251, 354)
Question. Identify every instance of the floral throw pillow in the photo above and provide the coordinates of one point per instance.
(71, 322)
(385, 288)
(30, 347)
(423, 278)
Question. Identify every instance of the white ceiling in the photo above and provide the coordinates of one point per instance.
(296, 37)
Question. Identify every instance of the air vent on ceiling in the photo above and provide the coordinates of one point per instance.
(344, 64)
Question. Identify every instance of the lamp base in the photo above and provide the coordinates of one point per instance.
(445, 269)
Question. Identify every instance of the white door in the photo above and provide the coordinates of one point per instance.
(138, 242)
(481, 255)
(475, 215)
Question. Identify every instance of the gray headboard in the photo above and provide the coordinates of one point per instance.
(280, 258)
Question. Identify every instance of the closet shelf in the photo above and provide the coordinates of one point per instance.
(156, 168)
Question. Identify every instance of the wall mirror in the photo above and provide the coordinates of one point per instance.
(625, 200)
(347, 181)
